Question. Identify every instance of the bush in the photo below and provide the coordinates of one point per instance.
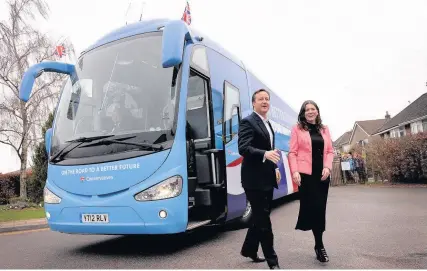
(38, 179)
(9, 188)
(399, 159)
(18, 203)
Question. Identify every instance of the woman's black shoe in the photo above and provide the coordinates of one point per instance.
(321, 254)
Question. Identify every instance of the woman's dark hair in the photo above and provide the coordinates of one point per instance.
(302, 122)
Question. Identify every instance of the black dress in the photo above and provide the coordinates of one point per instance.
(313, 191)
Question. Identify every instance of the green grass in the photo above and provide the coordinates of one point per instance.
(30, 213)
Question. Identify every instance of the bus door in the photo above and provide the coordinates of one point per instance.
(206, 176)
(231, 102)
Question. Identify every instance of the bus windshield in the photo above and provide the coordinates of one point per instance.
(119, 89)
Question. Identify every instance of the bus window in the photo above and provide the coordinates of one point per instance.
(199, 60)
(231, 111)
(197, 110)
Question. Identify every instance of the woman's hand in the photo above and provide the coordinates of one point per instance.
(325, 173)
(296, 177)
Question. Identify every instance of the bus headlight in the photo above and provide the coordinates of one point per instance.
(50, 197)
(169, 188)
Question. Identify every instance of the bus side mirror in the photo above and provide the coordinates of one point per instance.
(36, 70)
(175, 33)
(47, 140)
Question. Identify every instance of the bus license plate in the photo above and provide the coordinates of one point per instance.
(95, 218)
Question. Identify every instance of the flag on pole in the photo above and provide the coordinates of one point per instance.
(60, 51)
(186, 16)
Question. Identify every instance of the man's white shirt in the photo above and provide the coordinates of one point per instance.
(265, 121)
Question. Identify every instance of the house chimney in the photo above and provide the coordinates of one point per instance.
(387, 115)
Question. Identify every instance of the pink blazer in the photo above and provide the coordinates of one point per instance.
(300, 156)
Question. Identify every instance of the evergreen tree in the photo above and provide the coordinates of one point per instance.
(39, 170)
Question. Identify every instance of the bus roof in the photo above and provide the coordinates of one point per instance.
(155, 25)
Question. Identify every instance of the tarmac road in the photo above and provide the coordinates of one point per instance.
(367, 227)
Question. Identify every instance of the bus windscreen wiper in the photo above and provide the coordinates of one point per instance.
(143, 146)
(60, 154)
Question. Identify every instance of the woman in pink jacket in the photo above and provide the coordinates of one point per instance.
(310, 159)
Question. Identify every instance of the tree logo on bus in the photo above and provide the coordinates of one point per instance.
(82, 178)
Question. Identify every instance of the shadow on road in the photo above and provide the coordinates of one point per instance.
(276, 204)
(284, 200)
(150, 244)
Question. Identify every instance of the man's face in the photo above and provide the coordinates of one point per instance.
(262, 103)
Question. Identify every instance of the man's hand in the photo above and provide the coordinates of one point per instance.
(278, 176)
(296, 177)
(325, 173)
(273, 156)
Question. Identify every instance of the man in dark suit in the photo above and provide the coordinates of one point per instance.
(260, 176)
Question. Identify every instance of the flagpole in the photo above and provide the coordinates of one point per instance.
(126, 14)
(142, 10)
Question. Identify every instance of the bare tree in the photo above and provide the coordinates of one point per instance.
(21, 45)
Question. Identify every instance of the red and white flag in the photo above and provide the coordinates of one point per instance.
(60, 50)
(186, 16)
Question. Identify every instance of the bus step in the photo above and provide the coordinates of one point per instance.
(195, 224)
(191, 202)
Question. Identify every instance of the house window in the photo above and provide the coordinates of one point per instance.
(402, 131)
(417, 127)
(424, 125)
(398, 132)
(346, 148)
(414, 128)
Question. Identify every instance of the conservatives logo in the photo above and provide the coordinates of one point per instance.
(97, 178)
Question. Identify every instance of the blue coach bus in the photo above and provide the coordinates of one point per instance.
(144, 139)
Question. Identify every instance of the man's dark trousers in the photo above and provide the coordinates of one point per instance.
(260, 230)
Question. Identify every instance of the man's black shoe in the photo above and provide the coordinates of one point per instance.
(254, 258)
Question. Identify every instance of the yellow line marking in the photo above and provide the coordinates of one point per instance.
(21, 232)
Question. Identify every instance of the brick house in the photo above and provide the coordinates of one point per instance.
(342, 143)
(15, 173)
(411, 120)
(364, 130)
(361, 133)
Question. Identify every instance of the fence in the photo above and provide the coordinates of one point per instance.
(337, 177)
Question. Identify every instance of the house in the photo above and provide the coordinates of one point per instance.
(342, 143)
(10, 184)
(411, 120)
(361, 133)
(364, 130)
(15, 173)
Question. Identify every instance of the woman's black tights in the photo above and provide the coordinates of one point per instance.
(318, 238)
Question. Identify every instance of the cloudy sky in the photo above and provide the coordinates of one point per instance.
(356, 59)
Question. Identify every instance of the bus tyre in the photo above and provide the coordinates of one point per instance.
(246, 217)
